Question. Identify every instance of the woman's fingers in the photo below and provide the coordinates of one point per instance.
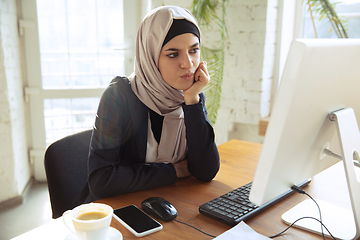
(201, 73)
(201, 78)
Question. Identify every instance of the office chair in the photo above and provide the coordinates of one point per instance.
(66, 170)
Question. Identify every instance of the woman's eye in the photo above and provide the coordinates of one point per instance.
(194, 50)
(172, 55)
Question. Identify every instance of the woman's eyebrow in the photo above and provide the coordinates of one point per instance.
(195, 45)
(172, 49)
(176, 50)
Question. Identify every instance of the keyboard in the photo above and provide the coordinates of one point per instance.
(235, 206)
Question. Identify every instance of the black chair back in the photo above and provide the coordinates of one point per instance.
(66, 170)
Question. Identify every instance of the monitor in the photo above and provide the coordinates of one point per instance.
(320, 76)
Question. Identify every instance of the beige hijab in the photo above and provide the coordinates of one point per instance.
(149, 86)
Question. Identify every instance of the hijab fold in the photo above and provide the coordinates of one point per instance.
(148, 85)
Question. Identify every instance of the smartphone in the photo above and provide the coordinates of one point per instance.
(137, 221)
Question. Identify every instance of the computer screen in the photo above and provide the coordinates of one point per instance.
(320, 76)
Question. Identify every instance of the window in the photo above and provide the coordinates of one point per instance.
(78, 50)
(72, 50)
(295, 22)
(64, 116)
(346, 9)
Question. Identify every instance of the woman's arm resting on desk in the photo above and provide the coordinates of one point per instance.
(113, 179)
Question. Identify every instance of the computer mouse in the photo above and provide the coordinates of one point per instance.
(159, 208)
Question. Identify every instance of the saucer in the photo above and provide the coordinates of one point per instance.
(113, 234)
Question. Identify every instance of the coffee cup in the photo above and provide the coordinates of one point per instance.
(89, 221)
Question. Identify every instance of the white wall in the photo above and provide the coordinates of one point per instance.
(249, 66)
(14, 164)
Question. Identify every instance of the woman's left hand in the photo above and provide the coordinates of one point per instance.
(201, 78)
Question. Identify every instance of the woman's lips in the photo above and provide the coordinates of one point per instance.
(188, 76)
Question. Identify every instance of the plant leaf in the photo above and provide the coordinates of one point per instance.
(205, 11)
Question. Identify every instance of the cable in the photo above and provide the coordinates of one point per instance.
(322, 229)
(301, 191)
(195, 228)
(276, 235)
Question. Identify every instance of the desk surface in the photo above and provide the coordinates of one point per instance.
(238, 164)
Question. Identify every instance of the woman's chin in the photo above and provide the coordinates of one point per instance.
(185, 87)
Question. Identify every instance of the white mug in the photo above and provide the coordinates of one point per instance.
(89, 221)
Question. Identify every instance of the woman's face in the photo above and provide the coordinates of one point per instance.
(179, 59)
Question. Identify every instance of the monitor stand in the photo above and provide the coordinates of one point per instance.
(341, 222)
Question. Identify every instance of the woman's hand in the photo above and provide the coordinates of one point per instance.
(181, 169)
(201, 78)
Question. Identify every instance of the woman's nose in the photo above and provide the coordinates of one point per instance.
(186, 61)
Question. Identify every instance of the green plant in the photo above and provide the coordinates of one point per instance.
(206, 13)
(326, 9)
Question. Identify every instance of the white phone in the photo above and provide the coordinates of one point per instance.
(137, 221)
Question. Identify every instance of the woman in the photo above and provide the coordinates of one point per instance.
(152, 127)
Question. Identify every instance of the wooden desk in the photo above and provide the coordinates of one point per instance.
(238, 164)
